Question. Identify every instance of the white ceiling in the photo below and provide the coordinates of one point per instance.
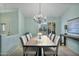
(48, 9)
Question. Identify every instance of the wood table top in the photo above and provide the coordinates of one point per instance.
(43, 42)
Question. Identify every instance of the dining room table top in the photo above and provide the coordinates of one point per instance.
(44, 41)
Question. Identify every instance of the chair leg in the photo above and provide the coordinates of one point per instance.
(23, 54)
(24, 48)
(53, 54)
(26, 55)
(44, 54)
(56, 54)
(36, 54)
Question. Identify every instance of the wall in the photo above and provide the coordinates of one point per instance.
(0, 45)
(31, 26)
(11, 21)
(20, 22)
(58, 23)
(72, 12)
(11, 42)
(14, 21)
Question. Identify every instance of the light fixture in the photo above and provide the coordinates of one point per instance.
(40, 18)
(3, 25)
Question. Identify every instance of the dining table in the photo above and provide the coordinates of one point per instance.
(40, 42)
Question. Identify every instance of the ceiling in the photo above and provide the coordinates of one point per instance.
(47, 9)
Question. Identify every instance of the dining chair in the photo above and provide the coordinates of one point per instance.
(52, 37)
(49, 35)
(29, 36)
(48, 51)
(28, 51)
(23, 42)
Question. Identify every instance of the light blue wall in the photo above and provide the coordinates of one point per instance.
(58, 23)
(14, 21)
(31, 26)
(20, 22)
(9, 43)
(72, 12)
(11, 21)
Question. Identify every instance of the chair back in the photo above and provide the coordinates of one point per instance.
(57, 40)
(26, 33)
(23, 40)
(28, 37)
(52, 37)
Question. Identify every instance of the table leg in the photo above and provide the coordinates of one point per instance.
(39, 51)
(64, 41)
(42, 54)
(60, 40)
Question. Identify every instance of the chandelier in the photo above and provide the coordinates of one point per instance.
(39, 18)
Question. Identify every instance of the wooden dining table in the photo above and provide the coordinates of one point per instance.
(42, 42)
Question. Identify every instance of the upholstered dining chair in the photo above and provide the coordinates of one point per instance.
(28, 35)
(29, 51)
(52, 37)
(49, 35)
(48, 51)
